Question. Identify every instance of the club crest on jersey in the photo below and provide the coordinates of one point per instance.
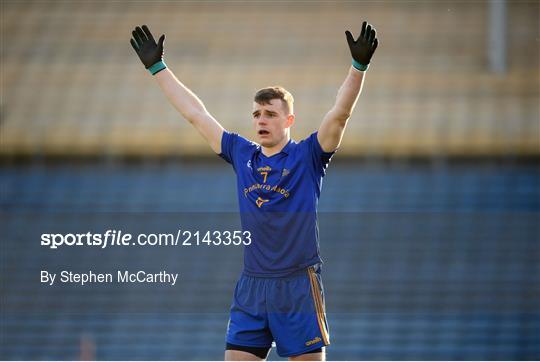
(260, 201)
(285, 172)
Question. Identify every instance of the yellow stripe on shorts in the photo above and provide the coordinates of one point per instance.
(319, 305)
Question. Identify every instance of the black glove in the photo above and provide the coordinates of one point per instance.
(363, 48)
(150, 53)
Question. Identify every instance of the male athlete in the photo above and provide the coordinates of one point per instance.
(279, 296)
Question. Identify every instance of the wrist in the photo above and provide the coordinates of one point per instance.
(359, 66)
(157, 67)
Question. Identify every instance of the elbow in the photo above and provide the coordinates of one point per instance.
(338, 116)
(192, 117)
(342, 118)
(342, 114)
(345, 117)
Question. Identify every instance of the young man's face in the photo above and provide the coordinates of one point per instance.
(271, 122)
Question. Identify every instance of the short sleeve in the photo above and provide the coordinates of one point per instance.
(319, 158)
(234, 145)
(227, 146)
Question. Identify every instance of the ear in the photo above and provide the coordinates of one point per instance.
(290, 120)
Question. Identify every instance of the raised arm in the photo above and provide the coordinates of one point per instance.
(181, 97)
(334, 123)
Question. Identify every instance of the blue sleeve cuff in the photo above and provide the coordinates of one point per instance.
(360, 67)
(158, 67)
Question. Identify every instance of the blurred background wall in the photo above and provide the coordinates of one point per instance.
(72, 84)
(430, 209)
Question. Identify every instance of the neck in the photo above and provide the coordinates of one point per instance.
(270, 151)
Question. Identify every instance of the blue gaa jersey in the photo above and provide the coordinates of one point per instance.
(278, 199)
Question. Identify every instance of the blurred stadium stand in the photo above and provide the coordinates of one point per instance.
(432, 259)
(422, 263)
(72, 84)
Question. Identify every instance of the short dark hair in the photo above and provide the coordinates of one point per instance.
(265, 95)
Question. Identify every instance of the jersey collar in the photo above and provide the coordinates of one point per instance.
(286, 149)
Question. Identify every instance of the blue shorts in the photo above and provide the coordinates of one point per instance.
(288, 310)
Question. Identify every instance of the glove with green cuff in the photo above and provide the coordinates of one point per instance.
(150, 53)
(363, 48)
